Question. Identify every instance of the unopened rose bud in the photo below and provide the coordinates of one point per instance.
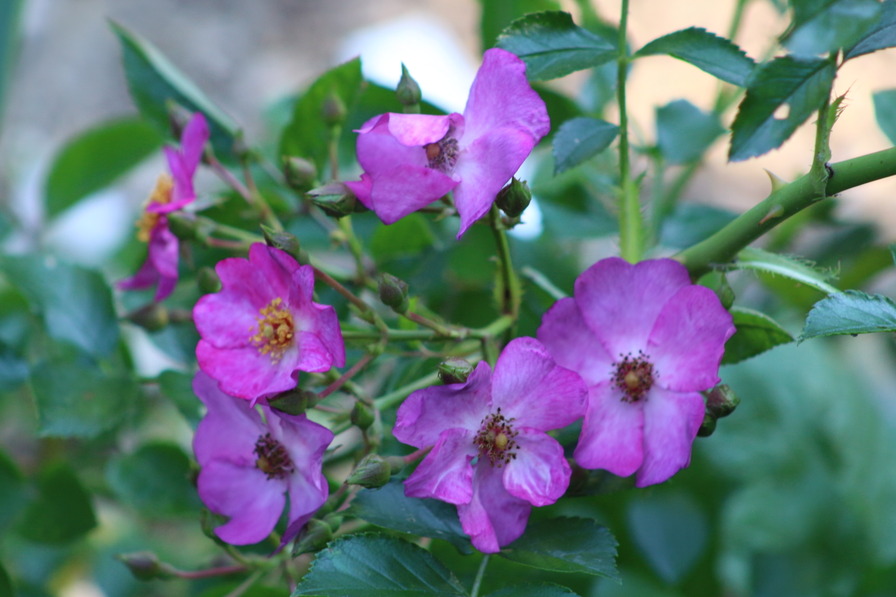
(152, 317)
(182, 226)
(313, 538)
(454, 370)
(514, 198)
(335, 199)
(145, 565)
(334, 521)
(721, 401)
(280, 239)
(300, 173)
(293, 402)
(362, 416)
(372, 472)
(408, 92)
(208, 281)
(393, 292)
(333, 110)
(708, 426)
(725, 292)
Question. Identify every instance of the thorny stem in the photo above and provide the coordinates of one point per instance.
(480, 574)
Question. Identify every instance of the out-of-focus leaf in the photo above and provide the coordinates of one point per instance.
(10, 21)
(823, 26)
(850, 312)
(155, 479)
(96, 158)
(13, 369)
(789, 267)
(78, 400)
(155, 83)
(409, 236)
(534, 590)
(62, 510)
(560, 108)
(6, 588)
(76, 303)
(579, 139)
(377, 566)
(781, 95)
(756, 333)
(227, 589)
(880, 35)
(307, 134)
(690, 223)
(497, 14)
(12, 490)
(388, 507)
(178, 387)
(707, 51)
(566, 545)
(553, 46)
(684, 131)
(885, 112)
(671, 531)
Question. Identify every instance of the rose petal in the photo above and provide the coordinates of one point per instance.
(529, 387)
(539, 472)
(571, 342)
(226, 319)
(405, 188)
(379, 151)
(246, 373)
(230, 428)
(612, 433)
(671, 421)
(445, 473)
(420, 129)
(193, 140)
(493, 518)
(688, 340)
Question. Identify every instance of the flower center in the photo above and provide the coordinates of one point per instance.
(161, 194)
(273, 459)
(442, 155)
(495, 439)
(275, 330)
(634, 376)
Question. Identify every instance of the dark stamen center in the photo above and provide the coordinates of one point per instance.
(495, 439)
(634, 376)
(273, 459)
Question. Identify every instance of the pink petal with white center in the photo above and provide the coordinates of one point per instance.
(426, 413)
(612, 433)
(251, 500)
(529, 387)
(671, 422)
(230, 428)
(572, 344)
(420, 129)
(405, 188)
(502, 97)
(485, 165)
(493, 518)
(445, 474)
(688, 340)
(246, 373)
(539, 473)
(620, 301)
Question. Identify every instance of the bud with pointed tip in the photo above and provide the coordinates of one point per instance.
(373, 471)
(408, 92)
(393, 292)
(335, 199)
(300, 173)
(314, 537)
(721, 401)
(454, 370)
(152, 317)
(145, 565)
(293, 402)
(362, 416)
(286, 242)
(514, 198)
(333, 110)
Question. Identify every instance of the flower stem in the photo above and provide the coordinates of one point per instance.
(362, 362)
(782, 203)
(209, 572)
(510, 295)
(480, 574)
(396, 396)
(631, 223)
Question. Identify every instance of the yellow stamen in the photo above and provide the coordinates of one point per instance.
(161, 194)
(274, 332)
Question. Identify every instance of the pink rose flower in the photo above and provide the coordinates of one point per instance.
(171, 193)
(411, 160)
(490, 454)
(646, 341)
(262, 328)
(250, 462)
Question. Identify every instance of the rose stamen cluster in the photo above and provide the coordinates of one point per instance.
(275, 330)
(273, 459)
(634, 376)
(160, 195)
(442, 155)
(495, 439)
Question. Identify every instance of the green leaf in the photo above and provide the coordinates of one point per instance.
(534, 590)
(78, 400)
(377, 566)
(850, 312)
(780, 96)
(307, 134)
(772, 263)
(388, 507)
(407, 237)
(756, 333)
(178, 387)
(497, 14)
(155, 479)
(76, 304)
(553, 46)
(824, 26)
(684, 131)
(690, 222)
(96, 158)
(881, 35)
(566, 545)
(885, 112)
(155, 83)
(707, 51)
(6, 588)
(62, 510)
(671, 531)
(580, 139)
(10, 27)
(12, 490)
